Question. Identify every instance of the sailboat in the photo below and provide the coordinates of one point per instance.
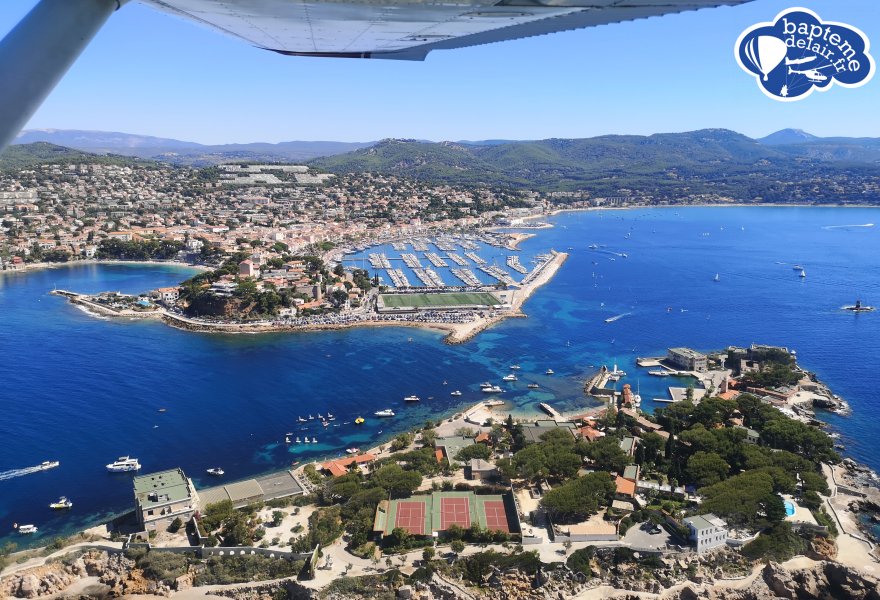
(717, 277)
(802, 273)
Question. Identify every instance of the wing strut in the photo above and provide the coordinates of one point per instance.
(37, 53)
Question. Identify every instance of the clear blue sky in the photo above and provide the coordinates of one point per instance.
(154, 74)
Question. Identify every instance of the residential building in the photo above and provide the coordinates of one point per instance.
(687, 359)
(162, 497)
(707, 531)
(481, 470)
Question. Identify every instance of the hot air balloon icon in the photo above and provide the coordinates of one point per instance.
(765, 52)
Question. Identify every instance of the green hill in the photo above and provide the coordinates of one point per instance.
(25, 156)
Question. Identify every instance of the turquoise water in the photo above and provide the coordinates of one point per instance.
(789, 508)
(84, 391)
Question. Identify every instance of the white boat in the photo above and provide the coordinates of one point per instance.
(717, 277)
(124, 464)
(533, 386)
(314, 440)
(797, 268)
(352, 450)
(455, 393)
(515, 367)
(330, 417)
(510, 377)
(658, 373)
(48, 464)
(802, 273)
(297, 440)
(412, 398)
(216, 471)
(286, 439)
(311, 418)
(617, 372)
(493, 403)
(320, 417)
(485, 384)
(549, 372)
(26, 529)
(61, 504)
(301, 420)
(492, 389)
(306, 440)
(387, 412)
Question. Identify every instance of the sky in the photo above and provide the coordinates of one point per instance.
(151, 73)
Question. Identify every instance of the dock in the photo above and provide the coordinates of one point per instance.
(550, 410)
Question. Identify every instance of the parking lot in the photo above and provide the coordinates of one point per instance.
(637, 537)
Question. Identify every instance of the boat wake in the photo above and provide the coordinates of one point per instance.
(13, 473)
(847, 226)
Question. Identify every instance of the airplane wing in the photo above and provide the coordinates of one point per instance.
(407, 29)
(40, 49)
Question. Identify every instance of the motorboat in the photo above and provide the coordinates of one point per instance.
(549, 372)
(124, 464)
(359, 421)
(797, 267)
(387, 412)
(533, 386)
(412, 398)
(455, 393)
(485, 384)
(48, 464)
(216, 471)
(510, 377)
(352, 450)
(61, 504)
(27, 529)
(493, 389)
(659, 373)
(515, 367)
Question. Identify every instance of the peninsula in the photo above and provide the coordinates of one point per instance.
(726, 494)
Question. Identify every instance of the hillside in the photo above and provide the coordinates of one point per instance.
(25, 156)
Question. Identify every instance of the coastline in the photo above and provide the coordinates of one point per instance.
(29, 267)
(457, 333)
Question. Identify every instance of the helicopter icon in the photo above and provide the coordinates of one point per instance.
(812, 74)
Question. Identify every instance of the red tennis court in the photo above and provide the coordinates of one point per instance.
(411, 516)
(454, 511)
(496, 516)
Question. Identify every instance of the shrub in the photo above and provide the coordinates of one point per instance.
(778, 543)
(175, 525)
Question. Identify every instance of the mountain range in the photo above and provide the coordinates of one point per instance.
(183, 152)
(786, 166)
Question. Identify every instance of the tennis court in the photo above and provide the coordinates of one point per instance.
(454, 511)
(411, 516)
(496, 516)
(446, 300)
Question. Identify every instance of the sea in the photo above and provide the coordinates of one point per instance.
(84, 390)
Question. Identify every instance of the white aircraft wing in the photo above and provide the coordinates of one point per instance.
(407, 29)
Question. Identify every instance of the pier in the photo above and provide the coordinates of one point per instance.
(436, 260)
(513, 263)
(467, 276)
(476, 258)
(550, 410)
(411, 261)
(457, 259)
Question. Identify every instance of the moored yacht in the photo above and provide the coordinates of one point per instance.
(533, 386)
(492, 389)
(412, 398)
(455, 393)
(124, 464)
(26, 529)
(387, 412)
(216, 471)
(548, 372)
(510, 377)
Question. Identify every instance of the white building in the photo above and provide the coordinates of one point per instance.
(707, 531)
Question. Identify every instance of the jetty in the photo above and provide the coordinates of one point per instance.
(550, 410)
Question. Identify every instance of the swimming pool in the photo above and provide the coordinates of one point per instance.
(789, 508)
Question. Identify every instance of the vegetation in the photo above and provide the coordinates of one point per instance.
(221, 570)
(778, 543)
(476, 567)
(115, 249)
(325, 525)
(578, 498)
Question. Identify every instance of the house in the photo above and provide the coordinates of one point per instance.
(451, 446)
(533, 432)
(247, 268)
(341, 466)
(752, 436)
(588, 433)
(625, 488)
(481, 470)
(166, 294)
(162, 497)
(628, 445)
(707, 531)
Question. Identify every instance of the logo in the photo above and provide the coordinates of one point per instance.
(798, 53)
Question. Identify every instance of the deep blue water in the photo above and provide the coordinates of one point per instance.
(84, 391)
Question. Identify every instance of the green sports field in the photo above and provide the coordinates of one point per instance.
(447, 300)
